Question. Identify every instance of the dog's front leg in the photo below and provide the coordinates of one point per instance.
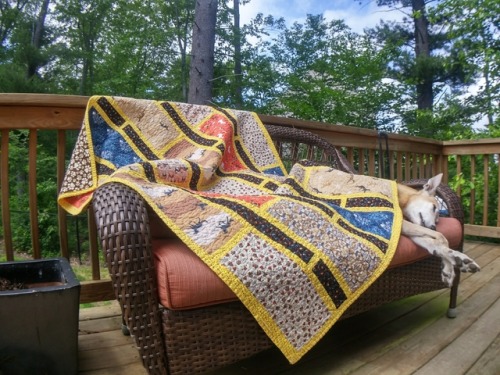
(436, 244)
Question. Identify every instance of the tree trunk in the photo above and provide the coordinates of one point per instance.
(84, 78)
(487, 80)
(201, 71)
(238, 90)
(425, 95)
(36, 40)
(183, 14)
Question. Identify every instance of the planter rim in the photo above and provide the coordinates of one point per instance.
(70, 280)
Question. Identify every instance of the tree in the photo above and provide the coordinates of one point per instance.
(182, 19)
(10, 11)
(331, 74)
(424, 86)
(475, 32)
(84, 21)
(238, 72)
(145, 46)
(37, 38)
(247, 46)
(24, 40)
(423, 61)
(201, 72)
(423, 76)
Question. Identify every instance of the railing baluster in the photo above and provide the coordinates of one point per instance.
(429, 166)
(407, 166)
(473, 190)
(350, 155)
(295, 152)
(4, 184)
(361, 166)
(399, 166)
(459, 172)
(414, 164)
(33, 202)
(485, 189)
(443, 167)
(391, 165)
(371, 162)
(94, 250)
(496, 158)
(309, 152)
(438, 165)
(61, 214)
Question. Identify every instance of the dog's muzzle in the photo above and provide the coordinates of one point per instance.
(422, 223)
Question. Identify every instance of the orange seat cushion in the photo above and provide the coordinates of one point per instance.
(185, 282)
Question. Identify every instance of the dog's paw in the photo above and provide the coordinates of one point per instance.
(463, 262)
(470, 266)
(448, 278)
(447, 273)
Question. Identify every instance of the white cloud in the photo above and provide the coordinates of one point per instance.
(357, 16)
(249, 11)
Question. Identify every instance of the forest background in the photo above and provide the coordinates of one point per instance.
(434, 74)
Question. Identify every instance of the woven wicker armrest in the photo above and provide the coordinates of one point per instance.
(123, 229)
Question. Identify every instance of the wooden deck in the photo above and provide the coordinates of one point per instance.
(412, 336)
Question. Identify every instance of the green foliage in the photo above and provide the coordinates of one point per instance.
(471, 187)
(475, 32)
(13, 79)
(46, 187)
(328, 73)
(464, 54)
(459, 182)
(46, 192)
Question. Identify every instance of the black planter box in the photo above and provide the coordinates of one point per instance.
(39, 324)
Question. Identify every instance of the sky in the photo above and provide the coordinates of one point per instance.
(357, 16)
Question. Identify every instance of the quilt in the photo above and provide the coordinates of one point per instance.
(298, 247)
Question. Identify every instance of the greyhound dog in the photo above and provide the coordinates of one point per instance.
(421, 214)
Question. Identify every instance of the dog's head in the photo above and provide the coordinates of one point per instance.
(422, 207)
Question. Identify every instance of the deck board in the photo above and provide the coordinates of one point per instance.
(489, 362)
(468, 346)
(103, 349)
(411, 336)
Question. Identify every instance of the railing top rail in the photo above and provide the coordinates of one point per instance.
(308, 124)
(472, 147)
(43, 100)
(350, 136)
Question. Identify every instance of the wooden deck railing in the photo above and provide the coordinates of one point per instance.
(464, 163)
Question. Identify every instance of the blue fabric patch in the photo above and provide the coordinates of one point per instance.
(276, 171)
(378, 222)
(109, 144)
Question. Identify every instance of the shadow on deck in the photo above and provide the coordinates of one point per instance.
(411, 336)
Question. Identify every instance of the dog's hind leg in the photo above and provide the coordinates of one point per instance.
(436, 244)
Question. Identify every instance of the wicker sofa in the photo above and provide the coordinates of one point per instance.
(206, 337)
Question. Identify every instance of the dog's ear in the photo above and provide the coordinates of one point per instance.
(433, 183)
